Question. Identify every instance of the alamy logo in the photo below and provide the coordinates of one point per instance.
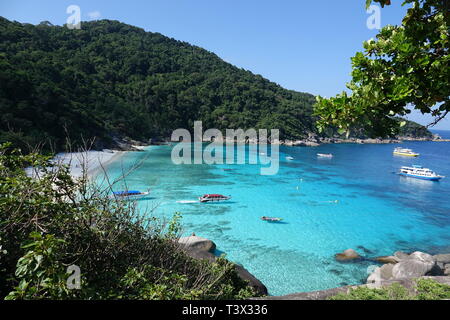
(74, 20)
(234, 142)
(74, 280)
(374, 21)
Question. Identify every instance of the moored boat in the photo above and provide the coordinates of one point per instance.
(130, 194)
(325, 155)
(213, 197)
(271, 219)
(405, 152)
(420, 172)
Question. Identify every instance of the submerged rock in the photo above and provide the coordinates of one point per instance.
(347, 255)
(388, 259)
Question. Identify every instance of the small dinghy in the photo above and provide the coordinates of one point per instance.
(271, 219)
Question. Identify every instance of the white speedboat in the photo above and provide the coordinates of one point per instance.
(420, 172)
(325, 155)
(213, 197)
(289, 158)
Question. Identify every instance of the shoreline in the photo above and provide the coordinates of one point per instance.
(91, 163)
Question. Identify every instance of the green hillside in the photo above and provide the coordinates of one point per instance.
(111, 80)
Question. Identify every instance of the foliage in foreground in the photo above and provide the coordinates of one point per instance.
(405, 66)
(426, 289)
(50, 224)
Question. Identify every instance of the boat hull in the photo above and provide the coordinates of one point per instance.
(406, 154)
(420, 177)
(132, 197)
(212, 200)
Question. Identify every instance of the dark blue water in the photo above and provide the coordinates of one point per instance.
(354, 200)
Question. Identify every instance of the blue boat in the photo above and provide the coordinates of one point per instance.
(420, 172)
(130, 194)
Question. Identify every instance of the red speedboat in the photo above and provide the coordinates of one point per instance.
(213, 197)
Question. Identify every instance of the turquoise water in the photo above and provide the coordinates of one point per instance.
(328, 205)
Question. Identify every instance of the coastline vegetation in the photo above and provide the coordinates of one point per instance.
(110, 80)
(425, 289)
(52, 222)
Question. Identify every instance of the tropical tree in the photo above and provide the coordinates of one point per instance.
(406, 67)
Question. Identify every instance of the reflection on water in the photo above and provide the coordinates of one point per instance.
(418, 184)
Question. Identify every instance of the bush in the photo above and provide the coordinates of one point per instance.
(53, 221)
(393, 292)
(426, 289)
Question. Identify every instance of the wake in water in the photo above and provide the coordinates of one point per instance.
(187, 201)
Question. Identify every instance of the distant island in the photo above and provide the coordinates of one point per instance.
(114, 82)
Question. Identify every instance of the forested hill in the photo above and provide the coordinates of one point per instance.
(111, 79)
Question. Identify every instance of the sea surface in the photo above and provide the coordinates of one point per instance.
(354, 200)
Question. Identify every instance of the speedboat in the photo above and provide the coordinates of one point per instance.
(271, 219)
(289, 158)
(325, 155)
(420, 172)
(130, 194)
(213, 197)
(405, 152)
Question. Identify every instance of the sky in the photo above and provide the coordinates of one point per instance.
(302, 45)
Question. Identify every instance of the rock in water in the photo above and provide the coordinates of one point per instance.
(199, 243)
(388, 259)
(401, 255)
(347, 255)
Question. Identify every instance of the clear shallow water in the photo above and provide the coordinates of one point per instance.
(377, 212)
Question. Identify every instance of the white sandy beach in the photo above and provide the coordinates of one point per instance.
(90, 161)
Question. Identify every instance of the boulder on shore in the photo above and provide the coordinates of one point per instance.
(198, 243)
(388, 259)
(202, 248)
(347, 255)
(381, 274)
(411, 269)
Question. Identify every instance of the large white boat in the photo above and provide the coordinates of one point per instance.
(420, 172)
(405, 152)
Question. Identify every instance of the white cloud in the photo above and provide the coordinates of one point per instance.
(94, 15)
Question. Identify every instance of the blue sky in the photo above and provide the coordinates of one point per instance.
(302, 45)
